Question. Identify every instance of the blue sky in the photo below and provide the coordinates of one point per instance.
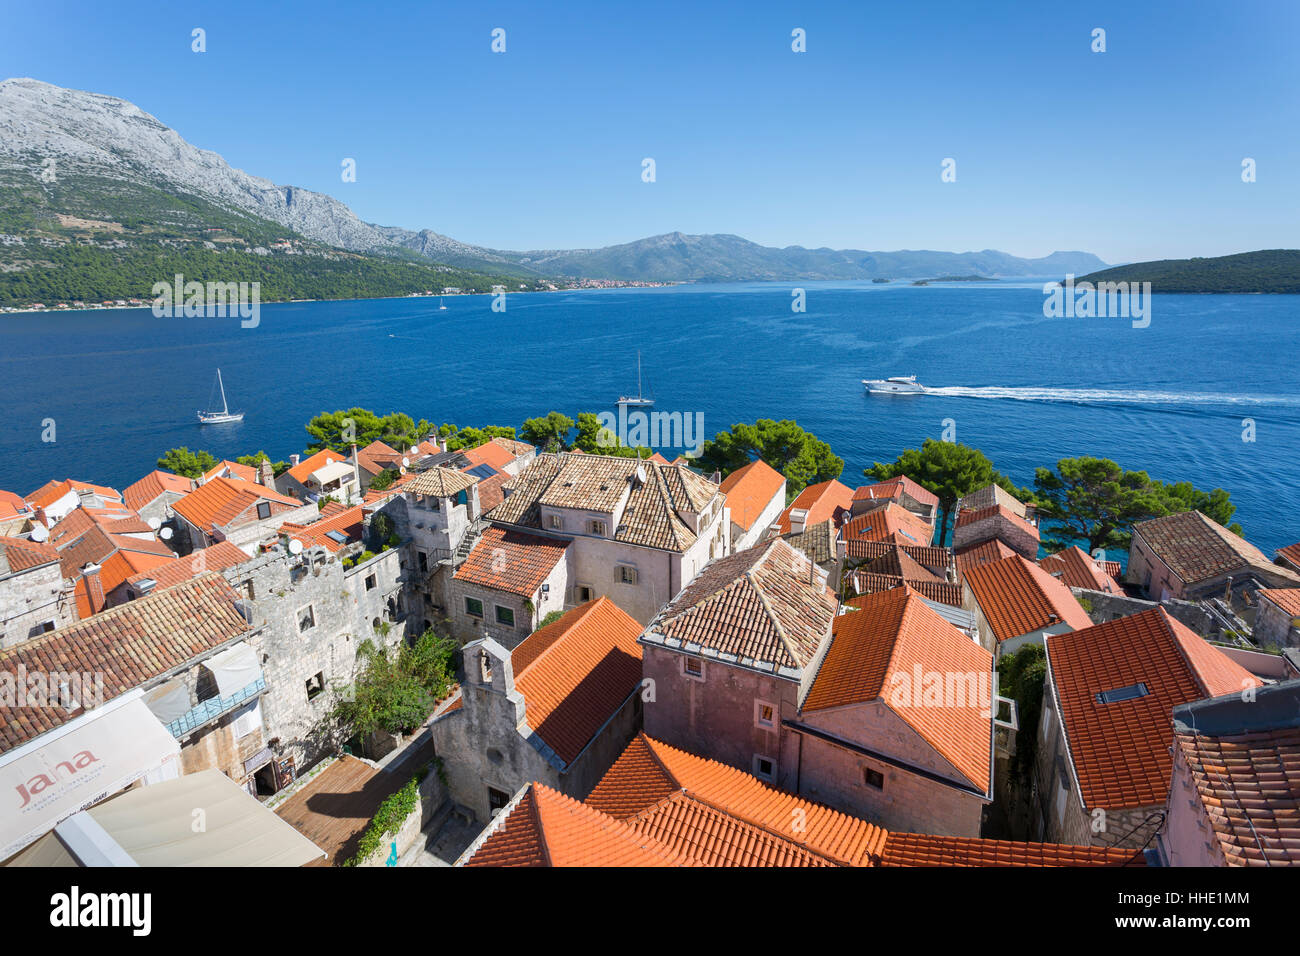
(1133, 154)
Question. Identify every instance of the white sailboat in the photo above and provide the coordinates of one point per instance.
(639, 399)
(223, 416)
(441, 305)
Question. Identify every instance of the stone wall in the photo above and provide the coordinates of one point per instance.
(430, 798)
(1109, 607)
(29, 599)
(1274, 627)
(996, 526)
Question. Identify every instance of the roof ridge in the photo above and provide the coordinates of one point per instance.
(687, 794)
(649, 746)
(771, 615)
(590, 607)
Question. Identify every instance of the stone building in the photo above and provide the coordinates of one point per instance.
(241, 512)
(33, 597)
(1277, 618)
(508, 584)
(755, 498)
(1016, 602)
(324, 474)
(901, 491)
(558, 709)
(638, 531)
(153, 495)
(996, 523)
(1104, 766)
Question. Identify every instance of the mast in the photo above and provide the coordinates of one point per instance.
(225, 409)
(638, 373)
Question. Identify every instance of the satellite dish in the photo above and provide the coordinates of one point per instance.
(406, 463)
(165, 534)
(295, 546)
(40, 533)
(402, 470)
(413, 450)
(155, 523)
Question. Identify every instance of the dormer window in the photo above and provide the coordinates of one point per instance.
(596, 527)
(555, 523)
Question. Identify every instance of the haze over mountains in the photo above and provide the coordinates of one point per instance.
(110, 156)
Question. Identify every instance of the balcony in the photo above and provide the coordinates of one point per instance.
(209, 710)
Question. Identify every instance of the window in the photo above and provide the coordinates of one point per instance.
(497, 800)
(873, 778)
(596, 527)
(505, 616)
(316, 685)
(306, 619)
(626, 574)
(555, 522)
(764, 715)
(582, 593)
(473, 607)
(1131, 692)
(264, 509)
(371, 582)
(248, 589)
(693, 668)
(764, 767)
(423, 560)
(39, 629)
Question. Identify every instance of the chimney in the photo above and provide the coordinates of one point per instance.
(294, 460)
(4, 560)
(798, 520)
(265, 473)
(356, 472)
(94, 587)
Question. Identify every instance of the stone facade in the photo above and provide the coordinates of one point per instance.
(526, 611)
(32, 602)
(1274, 626)
(1110, 607)
(997, 526)
(489, 750)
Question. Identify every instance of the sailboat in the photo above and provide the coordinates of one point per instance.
(441, 306)
(223, 416)
(639, 399)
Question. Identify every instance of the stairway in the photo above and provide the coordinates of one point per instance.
(472, 534)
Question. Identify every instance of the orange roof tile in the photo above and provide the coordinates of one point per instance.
(982, 553)
(751, 489)
(891, 523)
(1078, 569)
(576, 672)
(865, 582)
(217, 503)
(152, 485)
(1017, 596)
(971, 517)
(217, 557)
(1288, 599)
(22, 555)
(48, 493)
(1290, 554)
(874, 654)
(302, 471)
(919, 849)
(1120, 750)
(489, 453)
(341, 519)
(895, 487)
(511, 561)
(822, 501)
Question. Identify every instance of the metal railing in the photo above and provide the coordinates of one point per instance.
(212, 708)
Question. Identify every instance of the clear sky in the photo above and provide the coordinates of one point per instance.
(1132, 154)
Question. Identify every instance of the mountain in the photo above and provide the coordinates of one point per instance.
(1268, 270)
(116, 170)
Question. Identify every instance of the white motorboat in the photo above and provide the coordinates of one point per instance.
(897, 384)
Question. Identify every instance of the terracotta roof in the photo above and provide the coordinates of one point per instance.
(751, 489)
(891, 523)
(895, 487)
(1017, 596)
(152, 486)
(217, 557)
(756, 606)
(1078, 569)
(231, 469)
(988, 497)
(219, 502)
(439, 482)
(22, 555)
(48, 493)
(934, 560)
(875, 651)
(822, 501)
(897, 561)
(1197, 548)
(650, 517)
(302, 471)
(966, 518)
(516, 448)
(378, 456)
(1121, 749)
(919, 849)
(513, 561)
(490, 493)
(817, 541)
(649, 773)
(1290, 553)
(865, 582)
(130, 645)
(576, 672)
(1249, 787)
(983, 553)
(95, 546)
(1288, 599)
(489, 453)
(12, 505)
(339, 519)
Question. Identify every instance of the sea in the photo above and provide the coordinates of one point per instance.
(1207, 392)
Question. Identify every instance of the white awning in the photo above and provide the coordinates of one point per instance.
(168, 701)
(78, 765)
(234, 668)
(154, 826)
(333, 471)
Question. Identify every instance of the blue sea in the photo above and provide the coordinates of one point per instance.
(123, 386)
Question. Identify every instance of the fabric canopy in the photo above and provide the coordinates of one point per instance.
(168, 701)
(234, 669)
(78, 765)
(157, 826)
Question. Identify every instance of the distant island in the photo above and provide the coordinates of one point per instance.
(1265, 271)
(955, 279)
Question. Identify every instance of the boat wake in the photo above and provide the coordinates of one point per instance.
(1107, 396)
